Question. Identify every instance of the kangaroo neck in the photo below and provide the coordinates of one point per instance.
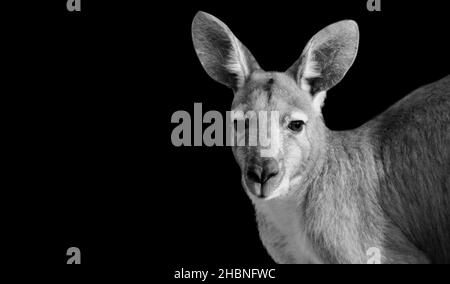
(344, 183)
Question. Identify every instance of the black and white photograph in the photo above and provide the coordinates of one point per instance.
(218, 140)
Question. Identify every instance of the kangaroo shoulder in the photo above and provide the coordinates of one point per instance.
(424, 111)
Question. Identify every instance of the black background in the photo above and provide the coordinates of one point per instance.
(93, 96)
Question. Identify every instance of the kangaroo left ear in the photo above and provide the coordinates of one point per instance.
(326, 58)
(222, 55)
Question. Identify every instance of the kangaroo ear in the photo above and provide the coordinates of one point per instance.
(327, 57)
(222, 55)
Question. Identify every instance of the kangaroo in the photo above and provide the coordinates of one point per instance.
(326, 196)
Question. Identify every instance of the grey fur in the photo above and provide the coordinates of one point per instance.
(385, 184)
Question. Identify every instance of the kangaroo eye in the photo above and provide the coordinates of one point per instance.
(296, 125)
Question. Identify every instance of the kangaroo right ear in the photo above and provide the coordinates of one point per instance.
(327, 57)
(222, 55)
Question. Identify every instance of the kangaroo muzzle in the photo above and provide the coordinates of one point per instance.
(259, 176)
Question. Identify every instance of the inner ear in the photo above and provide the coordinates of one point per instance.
(318, 101)
(222, 55)
(327, 57)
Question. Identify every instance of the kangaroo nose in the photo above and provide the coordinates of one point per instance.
(261, 174)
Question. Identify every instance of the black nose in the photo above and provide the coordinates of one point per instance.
(262, 173)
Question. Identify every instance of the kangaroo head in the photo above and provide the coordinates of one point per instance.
(290, 102)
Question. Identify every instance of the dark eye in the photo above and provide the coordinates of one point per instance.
(296, 125)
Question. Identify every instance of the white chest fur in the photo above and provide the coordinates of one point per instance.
(282, 231)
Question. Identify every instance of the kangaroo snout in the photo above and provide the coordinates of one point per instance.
(260, 173)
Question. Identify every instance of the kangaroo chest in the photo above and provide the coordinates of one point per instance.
(282, 232)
